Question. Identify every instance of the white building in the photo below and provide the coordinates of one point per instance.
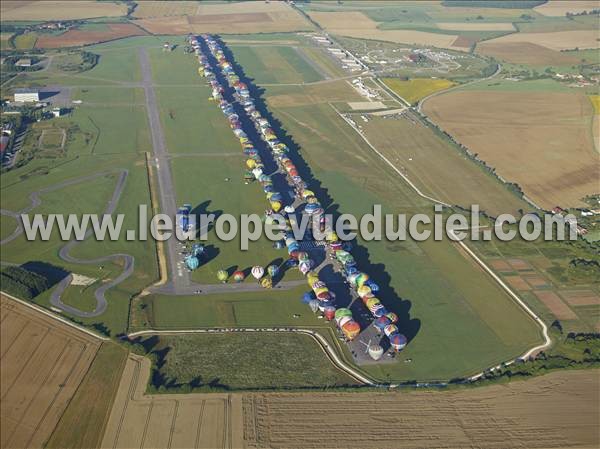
(26, 95)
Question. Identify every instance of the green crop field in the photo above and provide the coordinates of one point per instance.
(274, 64)
(269, 361)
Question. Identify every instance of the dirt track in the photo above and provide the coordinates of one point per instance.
(43, 362)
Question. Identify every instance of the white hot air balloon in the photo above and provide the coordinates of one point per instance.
(314, 305)
(258, 271)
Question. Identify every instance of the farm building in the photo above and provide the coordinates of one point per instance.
(26, 95)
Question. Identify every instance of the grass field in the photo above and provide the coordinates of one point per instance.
(25, 41)
(85, 419)
(411, 146)
(270, 361)
(415, 89)
(595, 99)
(274, 64)
(424, 282)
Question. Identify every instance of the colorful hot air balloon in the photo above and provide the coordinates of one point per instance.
(192, 262)
(398, 341)
(342, 312)
(266, 282)
(258, 271)
(238, 276)
(314, 305)
(272, 270)
(390, 329)
(363, 291)
(198, 249)
(276, 206)
(381, 323)
(351, 329)
(392, 317)
(222, 275)
(304, 267)
(361, 279)
(302, 256)
(329, 313)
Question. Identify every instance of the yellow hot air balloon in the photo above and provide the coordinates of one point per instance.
(332, 237)
(266, 282)
(363, 290)
(275, 205)
(307, 193)
(250, 163)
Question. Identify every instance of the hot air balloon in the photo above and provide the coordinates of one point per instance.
(314, 305)
(372, 285)
(222, 275)
(342, 312)
(351, 329)
(372, 302)
(266, 282)
(307, 297)
(258, 271)
(352, 279)
(392, 317)
(307, 193)
(379, 311)
(197, 249)
(342, 320)
(275, 205)
(398, 341)
(238, 276)
(363, 291)
(192, 262)
(289, 209)
(381, 323)
(329, 312)
(390, 329)
(250, 163)
(332, 237)
(375, 351)
(304, 267)
(302, 256)
(248, 176)
(272, 270)
(312, 278)
(361, 279)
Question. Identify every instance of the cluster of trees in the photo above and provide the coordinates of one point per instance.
(10, 61)
(23, 283)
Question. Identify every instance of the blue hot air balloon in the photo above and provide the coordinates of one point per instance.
(307, 297)
(192, 262)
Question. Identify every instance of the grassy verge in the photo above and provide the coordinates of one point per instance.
(242, 361)
(84, 421)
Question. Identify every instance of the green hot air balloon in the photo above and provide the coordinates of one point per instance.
(222, 275)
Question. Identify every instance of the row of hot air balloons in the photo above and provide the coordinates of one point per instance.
(254, 163)
(366, 289)
(257, 271)
(347, 325)
(325, 303)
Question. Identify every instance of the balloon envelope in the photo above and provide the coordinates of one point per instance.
(222, 275)
(272, 270)
(238, 276)
(392, 317)
(258, 271)
(398, 341)
(314, 305)
(192, 262)
(266, 282)
(351, 329)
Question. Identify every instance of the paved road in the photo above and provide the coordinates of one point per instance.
(178, 276)
(99, 294)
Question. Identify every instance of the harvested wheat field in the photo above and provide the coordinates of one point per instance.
(463, 26)
(540, 140)
(525, 53)
(554, 411)
(43, 361)
(170, 420)
(410, 146)
(358, 25)
(559, 8)
(59, 10)
(239, 18)
(558, 40)
(76, 38)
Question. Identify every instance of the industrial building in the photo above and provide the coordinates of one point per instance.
(26, 95)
